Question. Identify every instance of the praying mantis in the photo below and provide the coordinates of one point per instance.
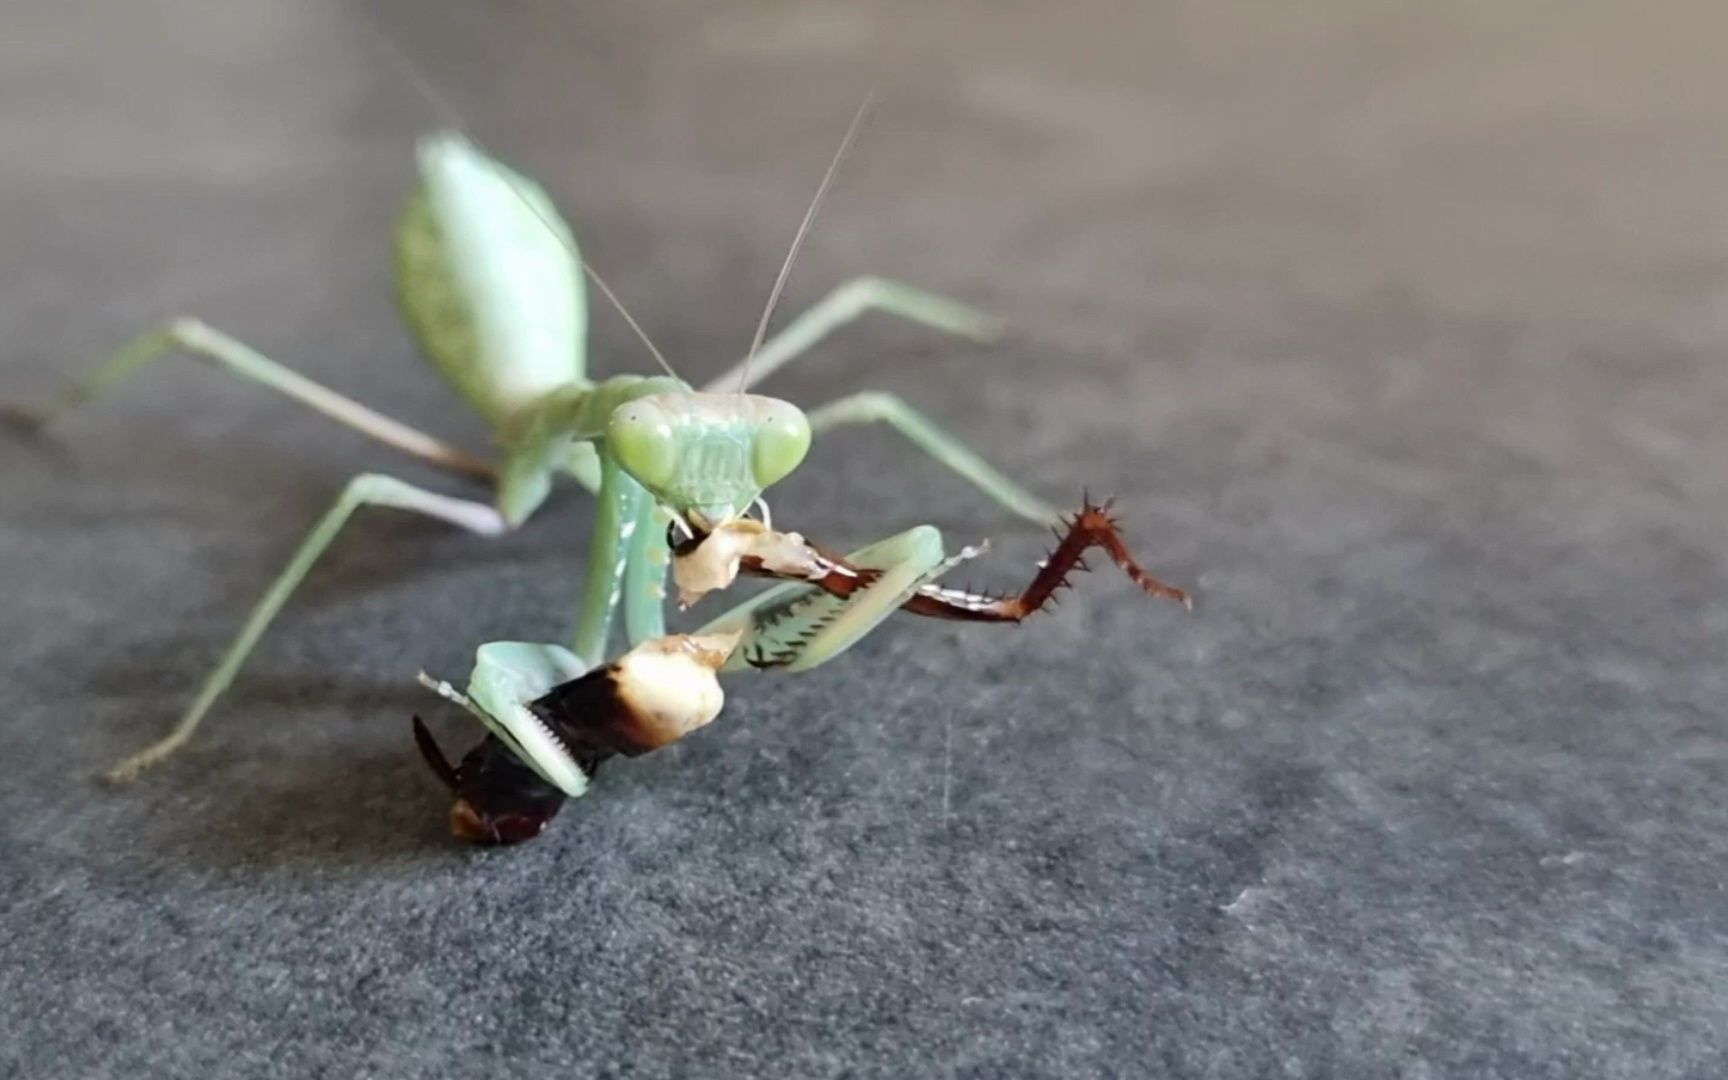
(490, 283)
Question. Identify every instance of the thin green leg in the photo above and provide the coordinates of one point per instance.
(873, 406)
(194, 338)
(847, 303)
(645, 575)
(796, 626)
(620, 501)
(367, 489)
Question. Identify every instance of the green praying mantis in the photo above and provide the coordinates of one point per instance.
(490, 283)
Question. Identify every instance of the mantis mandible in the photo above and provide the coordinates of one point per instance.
(490, 285)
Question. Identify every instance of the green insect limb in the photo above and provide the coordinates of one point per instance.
(212, 346)
(621, 501)
(848, 302)
(367, 489)
(507, 675)
(874, 406)
(647, 561)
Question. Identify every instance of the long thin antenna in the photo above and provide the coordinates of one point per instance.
(803, 230)
(441, 105)
(606, 290)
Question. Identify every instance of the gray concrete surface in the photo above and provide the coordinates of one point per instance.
(1398, 329)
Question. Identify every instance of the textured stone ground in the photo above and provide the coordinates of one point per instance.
(1398, 330)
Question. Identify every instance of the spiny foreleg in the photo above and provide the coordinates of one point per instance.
(1092, 526)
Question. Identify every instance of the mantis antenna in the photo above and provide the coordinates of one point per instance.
(442, 106)
(798, 238)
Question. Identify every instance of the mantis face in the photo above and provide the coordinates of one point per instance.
(707, 456)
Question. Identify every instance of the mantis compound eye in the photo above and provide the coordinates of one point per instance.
(781, 439)
(640, 436)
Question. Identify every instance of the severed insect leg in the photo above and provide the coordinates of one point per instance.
(367, 489)
(1090, 527)
(817, 616)
(873, 406)
(200, 341)
(798, 625)
(848, 302)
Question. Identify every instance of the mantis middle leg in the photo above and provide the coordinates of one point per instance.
(843, 305)
(874, 406)
(847, 303)
(367, 489)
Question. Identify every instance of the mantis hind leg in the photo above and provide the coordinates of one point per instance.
(847, 303)
(367, 489)
(196, 339)
(873, 406)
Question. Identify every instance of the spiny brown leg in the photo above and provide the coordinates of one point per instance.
(1092, 526)
(434, 755)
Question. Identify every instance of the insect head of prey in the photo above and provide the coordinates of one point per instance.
(707, 456)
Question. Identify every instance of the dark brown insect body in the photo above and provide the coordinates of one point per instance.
(653, 695)
(499, 800)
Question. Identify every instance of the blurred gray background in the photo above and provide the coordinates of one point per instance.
(1398, 330)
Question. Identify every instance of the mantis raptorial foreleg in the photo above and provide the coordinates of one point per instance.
(645, 575)
(830, 602)
(797, 626)
(616, 520)
(873, 406)
(198, 340)
(843, 305)
(367, 489)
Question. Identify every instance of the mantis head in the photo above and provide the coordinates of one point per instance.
(707, 456)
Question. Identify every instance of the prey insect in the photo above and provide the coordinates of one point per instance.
(490, 284)
(552, 722)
